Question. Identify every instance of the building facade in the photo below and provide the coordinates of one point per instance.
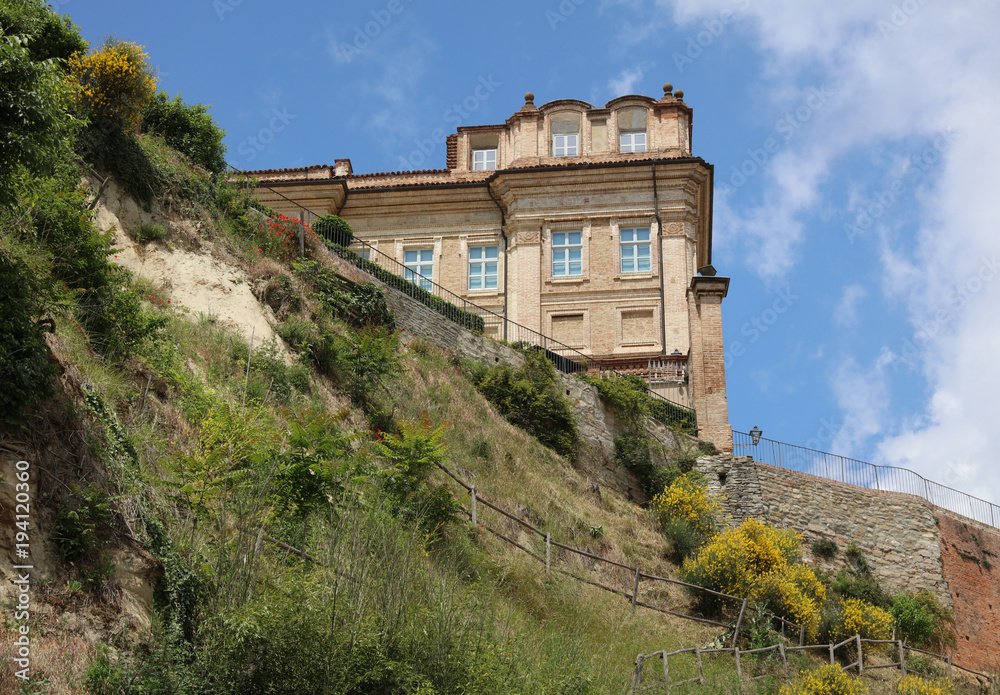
(590, 225)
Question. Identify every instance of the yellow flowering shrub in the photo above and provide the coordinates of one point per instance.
(915, 685)
(761, 563)
(859, 617)
(687, 499)
(826, 680)
(114, 82)
(793, 592)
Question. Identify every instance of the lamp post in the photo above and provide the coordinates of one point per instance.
(755, 434)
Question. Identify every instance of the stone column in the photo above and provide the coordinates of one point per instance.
(707, 368)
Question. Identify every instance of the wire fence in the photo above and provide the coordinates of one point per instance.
(864, 474)
(467, 314)
(851, 649)
(640, 588)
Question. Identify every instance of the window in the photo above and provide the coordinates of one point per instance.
(484, 159)
(565, 145)
(419, 262)
(482, 267)
(634, 244)
(565, 129)
(567, 254)
(632, 130)
(632, 141)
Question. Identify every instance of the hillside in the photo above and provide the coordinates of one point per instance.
(232, 467)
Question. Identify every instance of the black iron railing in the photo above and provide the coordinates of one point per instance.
(864, 474)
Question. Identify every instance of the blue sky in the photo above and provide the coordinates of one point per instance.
(855, 147)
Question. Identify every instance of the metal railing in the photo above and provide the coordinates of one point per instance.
(864, 474)
(458, 309)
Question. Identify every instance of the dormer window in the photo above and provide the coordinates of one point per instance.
(484, 159)
(632, 130)
(565, 135)
(484, 147)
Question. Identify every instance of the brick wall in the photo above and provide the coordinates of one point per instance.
(970, 553)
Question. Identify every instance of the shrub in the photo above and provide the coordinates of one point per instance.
(114, 83)
(688, 499)
(915, 685)
(412, 455)
(824, 548)
(188, 129)
(862, 587)
(49, 35)
(149, 232)
(527, 398)
(335, 230)
(684, 538)
(25, 368)
(860, 618)
(82, 521)
(632, 453)
(826, 680)
(921, 620)
(762, 563)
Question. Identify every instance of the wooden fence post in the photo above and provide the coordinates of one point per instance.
(473, 493)
(701, 671)
(739, 623)
(802, 636)
(548, 553)
(739, 668)
(831, 654)
(637, 678)
(902, 658)
(949, 669)
(861, 658)
(635, 588)
(666, 669)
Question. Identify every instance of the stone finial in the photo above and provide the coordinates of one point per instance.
(679, 94)
(529, 98)
(667, 89)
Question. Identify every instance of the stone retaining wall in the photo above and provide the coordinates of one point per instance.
(909, 543)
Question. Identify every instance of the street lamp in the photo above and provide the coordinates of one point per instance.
(755, 435)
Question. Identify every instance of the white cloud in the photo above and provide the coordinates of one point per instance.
(626, 80)
(901, 77)
(846, 313)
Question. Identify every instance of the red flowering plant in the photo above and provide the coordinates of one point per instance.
(279, 237)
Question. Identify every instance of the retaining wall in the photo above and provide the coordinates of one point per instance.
(909, 543)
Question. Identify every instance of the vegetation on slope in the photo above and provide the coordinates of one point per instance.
(305, 540)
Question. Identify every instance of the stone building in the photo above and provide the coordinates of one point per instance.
(590, 225)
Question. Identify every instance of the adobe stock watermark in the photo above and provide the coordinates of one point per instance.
(901, 14)
(251, 146)
(454, 115)
(883, 201)
(224, 7)
(957, 298)
(786, 126)
(22, 570)
(369, 31)
(758, 325)
(712, 29)
(562, 12)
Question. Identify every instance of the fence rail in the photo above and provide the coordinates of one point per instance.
(864, 474)
(855, 643)
(456, 308)
(631, 577)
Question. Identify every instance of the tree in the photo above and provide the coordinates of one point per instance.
(188, 129)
